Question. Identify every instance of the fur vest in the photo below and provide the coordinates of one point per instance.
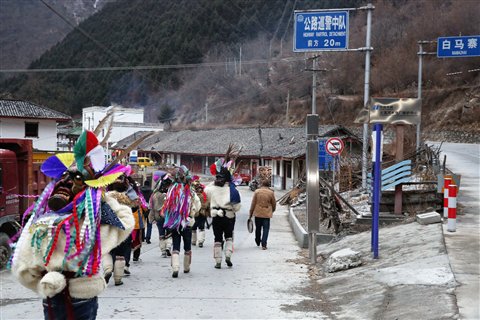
(49, 280)
(219, 200)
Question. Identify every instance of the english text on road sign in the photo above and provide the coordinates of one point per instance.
(320, 30)
(334, 146)
(456, 47)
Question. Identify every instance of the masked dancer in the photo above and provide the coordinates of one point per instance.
(73, 222)
(224, 200)
(179, 208)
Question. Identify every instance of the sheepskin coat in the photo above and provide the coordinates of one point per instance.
(48, 281)
(219, 197)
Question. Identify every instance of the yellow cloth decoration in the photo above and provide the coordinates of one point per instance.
(103, 181)
(66, 158)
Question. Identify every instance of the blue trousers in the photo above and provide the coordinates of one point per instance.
(161, 229)
(83, 309)
(262, 223)
(149, 231)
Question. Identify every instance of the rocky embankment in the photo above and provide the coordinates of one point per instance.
(452, 136)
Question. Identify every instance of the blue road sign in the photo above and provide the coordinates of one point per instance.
(456, 47)
(325, 160)
(133, 156)
(320, 30)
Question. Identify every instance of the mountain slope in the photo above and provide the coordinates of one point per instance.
(28, 28)
(231, 62)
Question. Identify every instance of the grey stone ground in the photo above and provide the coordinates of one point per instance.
(261, 284)
(423, 272)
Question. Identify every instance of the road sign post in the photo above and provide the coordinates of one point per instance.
(377, 170)
(313, 201)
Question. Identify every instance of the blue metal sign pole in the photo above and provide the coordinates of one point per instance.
(377, 171)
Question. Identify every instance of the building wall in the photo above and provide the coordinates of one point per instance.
(93, 115)
(47, 132)
(127, 121)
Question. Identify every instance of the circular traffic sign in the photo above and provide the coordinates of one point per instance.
(334, 146)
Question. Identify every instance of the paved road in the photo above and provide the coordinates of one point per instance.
(261, 284)
(463, 246)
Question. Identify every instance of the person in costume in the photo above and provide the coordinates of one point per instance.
(262, 207)
(224, 201)
(124, 190)
(146, 191)
(180, 206)
(201, 216)
(71, 225)
(140, 206)
(162, 183)
(118, 261)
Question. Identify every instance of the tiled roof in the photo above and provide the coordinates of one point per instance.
(25, 109)
(255, 142)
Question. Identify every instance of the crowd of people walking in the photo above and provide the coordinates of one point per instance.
(92, 220)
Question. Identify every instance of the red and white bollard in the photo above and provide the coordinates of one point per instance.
(452, 208)
(447, 180)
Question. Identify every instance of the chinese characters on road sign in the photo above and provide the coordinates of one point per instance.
(453, 47)
(320, 30)
(395, 110)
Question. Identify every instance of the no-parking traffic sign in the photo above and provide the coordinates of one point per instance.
(334, 146)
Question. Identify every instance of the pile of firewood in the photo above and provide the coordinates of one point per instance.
(330, 205)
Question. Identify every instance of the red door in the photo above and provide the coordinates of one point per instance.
(9, 203)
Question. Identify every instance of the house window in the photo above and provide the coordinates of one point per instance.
(31, 129)
(278, 167)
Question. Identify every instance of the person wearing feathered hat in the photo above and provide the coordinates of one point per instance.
(73, 222)
(201, 216)
(224, 200)
(162, 182)
(180, 206)
(118, 262)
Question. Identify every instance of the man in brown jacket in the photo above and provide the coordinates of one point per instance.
(262, 207)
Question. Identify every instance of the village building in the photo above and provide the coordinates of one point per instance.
(67, 135)
(281, 148)
(126, 121)
(27, 120)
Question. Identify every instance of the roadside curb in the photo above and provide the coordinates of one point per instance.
(301, 235)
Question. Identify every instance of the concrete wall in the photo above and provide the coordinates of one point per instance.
(93, 115)
(47, 132)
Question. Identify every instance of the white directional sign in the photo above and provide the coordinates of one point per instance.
(334, 146)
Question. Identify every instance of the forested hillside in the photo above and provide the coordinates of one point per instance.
(231, 62)
(28, 27)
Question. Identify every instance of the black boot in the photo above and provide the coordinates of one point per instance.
(136, 255)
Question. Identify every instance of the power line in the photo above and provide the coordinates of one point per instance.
(98, 43)
(289, 19)
(281, 19)
(246, 96)
(154, 67)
